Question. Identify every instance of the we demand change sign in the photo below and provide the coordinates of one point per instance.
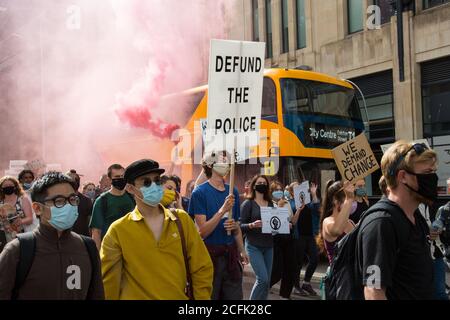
(235, 82)
(355, 159)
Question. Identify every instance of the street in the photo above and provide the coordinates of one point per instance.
(249, 280)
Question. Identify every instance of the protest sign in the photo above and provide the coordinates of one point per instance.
(236, 72)
(301, 191)
(275, 220)
(235, 84)
(355, 159)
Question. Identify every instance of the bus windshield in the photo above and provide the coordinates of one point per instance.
(305, 96)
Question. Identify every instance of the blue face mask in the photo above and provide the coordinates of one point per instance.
(90, 194)
(152, 195)
(287, 195)
(27, 186)
(361, 192)
(63, 218)
(277, 195)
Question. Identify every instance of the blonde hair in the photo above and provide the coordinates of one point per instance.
(402, 156)
(383, 186)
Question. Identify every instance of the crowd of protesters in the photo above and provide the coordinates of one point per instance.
(133, 236)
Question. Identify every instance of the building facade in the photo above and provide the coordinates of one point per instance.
(407, 90)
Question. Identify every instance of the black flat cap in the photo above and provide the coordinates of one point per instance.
(140, 168)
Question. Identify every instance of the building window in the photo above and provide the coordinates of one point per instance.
(386, 10)
(269, 28)
(436, 97)
(378, 90)
(301, 24)
(284, 26)
(255, 20)
(433, 3)
(355, 16)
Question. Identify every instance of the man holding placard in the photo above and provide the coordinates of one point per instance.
(210, 204)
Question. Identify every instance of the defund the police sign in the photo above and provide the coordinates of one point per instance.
(236, 72)
(355, 159)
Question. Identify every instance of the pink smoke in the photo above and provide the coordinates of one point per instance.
(178, 45)
(80, 97)
(135, 108)
(140, 117)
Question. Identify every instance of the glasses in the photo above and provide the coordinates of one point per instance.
(419, 148)
(61, 201)
(148, 182)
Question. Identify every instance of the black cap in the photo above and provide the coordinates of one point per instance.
(140, 168)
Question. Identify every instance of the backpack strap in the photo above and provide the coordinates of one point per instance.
(27, 243)
(189, 290)
(398, 219)
(93, 255)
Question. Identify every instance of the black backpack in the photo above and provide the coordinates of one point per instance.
(344, 280)
(27, 251)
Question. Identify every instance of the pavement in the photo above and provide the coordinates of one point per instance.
(249, 280)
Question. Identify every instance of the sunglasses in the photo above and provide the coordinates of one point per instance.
(418, 148)
(148, 182)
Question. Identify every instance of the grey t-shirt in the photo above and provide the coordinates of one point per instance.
(251, 212)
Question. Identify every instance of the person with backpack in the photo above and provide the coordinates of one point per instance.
(154, 253)
(52, 263)
(393, 257)
(110, 205)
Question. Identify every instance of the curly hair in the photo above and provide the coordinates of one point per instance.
(19, 190)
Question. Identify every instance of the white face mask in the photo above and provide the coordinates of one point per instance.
(222, 169)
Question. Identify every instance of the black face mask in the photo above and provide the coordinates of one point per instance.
(119, 183)
(9, 190)
(428, 183)
(261, 188)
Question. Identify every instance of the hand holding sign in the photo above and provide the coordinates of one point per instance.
(227, 206)
(230, 225)
(301, 194)
(275, 220)
(349, 189)
(355, 159)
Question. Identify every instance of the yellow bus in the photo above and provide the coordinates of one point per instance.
(305, 114)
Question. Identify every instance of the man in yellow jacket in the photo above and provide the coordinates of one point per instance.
(142, 256)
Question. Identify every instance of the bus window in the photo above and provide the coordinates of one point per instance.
(269, 101)
(295, 96)
(318, 97)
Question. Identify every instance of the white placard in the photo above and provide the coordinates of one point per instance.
(275, 220)
(235, 84)
(302, 190)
